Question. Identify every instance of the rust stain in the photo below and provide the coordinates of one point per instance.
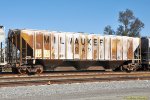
(52, 47)
(28, 38)
(39, 44)
(95, 48)
(130, 49)
(46, 41)
(114, 49)
(83, 47)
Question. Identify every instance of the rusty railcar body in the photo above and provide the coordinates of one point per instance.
(40, 50)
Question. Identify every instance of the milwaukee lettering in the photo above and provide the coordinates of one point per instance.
(61, 42)
(82, 41)
(101, 42)
(89, 41)
(76, 41)
(95, 42)
(46, 39)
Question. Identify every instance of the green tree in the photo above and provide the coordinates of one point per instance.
(129, 24)
(108, 30)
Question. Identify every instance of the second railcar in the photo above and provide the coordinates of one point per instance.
(2, 47)
(38, 49)
(145, 53)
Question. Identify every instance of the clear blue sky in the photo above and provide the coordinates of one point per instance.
(71, 15)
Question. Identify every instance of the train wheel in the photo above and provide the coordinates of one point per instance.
(38, 69)
(22, 70)
(132, 67)
(122, 69)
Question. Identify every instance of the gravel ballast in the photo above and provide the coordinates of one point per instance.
(80, 91)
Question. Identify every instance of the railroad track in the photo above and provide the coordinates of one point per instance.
(7, 80)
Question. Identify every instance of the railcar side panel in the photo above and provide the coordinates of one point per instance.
(28, 36)
(83, 46)
(89, 47)
(125, 47)
(62, 46)
(76, 46)
(69, 46)
(113, 48)
(107, 48)
(101, 48)
(136, 43)
(54, 45)
(39, 45)
(136, 46)
(119, 47)
(47, 45)
(95, 47)
(130, 48)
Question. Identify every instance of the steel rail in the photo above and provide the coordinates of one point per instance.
(71, 78)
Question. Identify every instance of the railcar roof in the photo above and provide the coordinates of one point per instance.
(51, 31)
(36, 30)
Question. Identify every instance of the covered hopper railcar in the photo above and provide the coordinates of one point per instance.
(38, 50)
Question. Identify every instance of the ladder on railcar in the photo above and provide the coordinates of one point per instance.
(17, 50)
(12, 54)
(23, 51)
